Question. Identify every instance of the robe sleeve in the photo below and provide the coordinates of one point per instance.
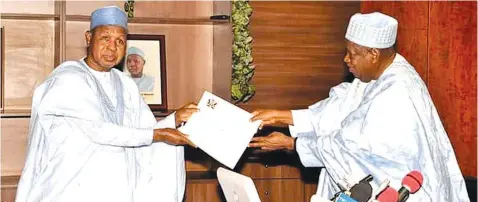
(302, 123)
(304, 119)
(167, 122)
(146, 115)
(378, 136)
(70, 99)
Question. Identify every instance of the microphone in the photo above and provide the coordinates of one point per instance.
(388, 195)
(353, 191)
(362, 191)
(381, 188)
(411, 183)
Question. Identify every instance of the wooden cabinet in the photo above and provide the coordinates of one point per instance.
(203, 191)
(257, 170)
(310, 188)
(279, 183)
(280, 190)
(9, 188)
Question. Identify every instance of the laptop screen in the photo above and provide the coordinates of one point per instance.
(237, 187)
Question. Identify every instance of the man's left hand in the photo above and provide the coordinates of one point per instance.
(273, 141)
(183, 114)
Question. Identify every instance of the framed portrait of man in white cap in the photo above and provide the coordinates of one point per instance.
(145, 63)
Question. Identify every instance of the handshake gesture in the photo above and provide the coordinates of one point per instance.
(275, 140)
(174, 136)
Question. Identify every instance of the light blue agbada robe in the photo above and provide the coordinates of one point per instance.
(145, 83)
(386, 128)
(84, 146)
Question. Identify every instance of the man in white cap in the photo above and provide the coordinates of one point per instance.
(93, 138)
(135, 63)
(384, 123)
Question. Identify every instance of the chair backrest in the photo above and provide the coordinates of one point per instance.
(471, 187)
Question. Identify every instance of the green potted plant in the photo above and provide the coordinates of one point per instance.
(242, 68)
(129, 8)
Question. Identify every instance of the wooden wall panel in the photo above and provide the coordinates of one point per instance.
(412, 37)
(189, 61)
(452, 81)
(162, 9)
(29, 59)
(298, 51)
(222, 61)
(222, 52)
(30, 7)
(83, 8)
(189, 56)
(13, 145)
(173, 9)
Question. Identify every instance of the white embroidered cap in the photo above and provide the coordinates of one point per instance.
(135, 51)
(373, 30)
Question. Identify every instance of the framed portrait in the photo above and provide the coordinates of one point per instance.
(145, 63)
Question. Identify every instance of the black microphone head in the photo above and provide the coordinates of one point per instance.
(403, 194)
(361, 192)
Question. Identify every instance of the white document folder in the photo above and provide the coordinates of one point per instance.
(220, 129)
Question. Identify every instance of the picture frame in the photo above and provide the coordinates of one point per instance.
(145, 62)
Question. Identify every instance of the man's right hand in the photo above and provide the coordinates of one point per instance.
(172, 137)
(183, 114)
(273, 117)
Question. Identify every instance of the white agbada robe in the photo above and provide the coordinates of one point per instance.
(91, 140)
(145, 83)
(386, 128)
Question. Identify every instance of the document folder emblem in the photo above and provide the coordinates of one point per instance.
(211, 103)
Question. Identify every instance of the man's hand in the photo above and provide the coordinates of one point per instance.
(183, 114)
(172, 137)
(272, 117)
(273, 141)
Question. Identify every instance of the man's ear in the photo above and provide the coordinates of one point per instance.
(88, 37)
(375, 55)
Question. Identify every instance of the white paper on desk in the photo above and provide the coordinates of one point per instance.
(220, 129)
